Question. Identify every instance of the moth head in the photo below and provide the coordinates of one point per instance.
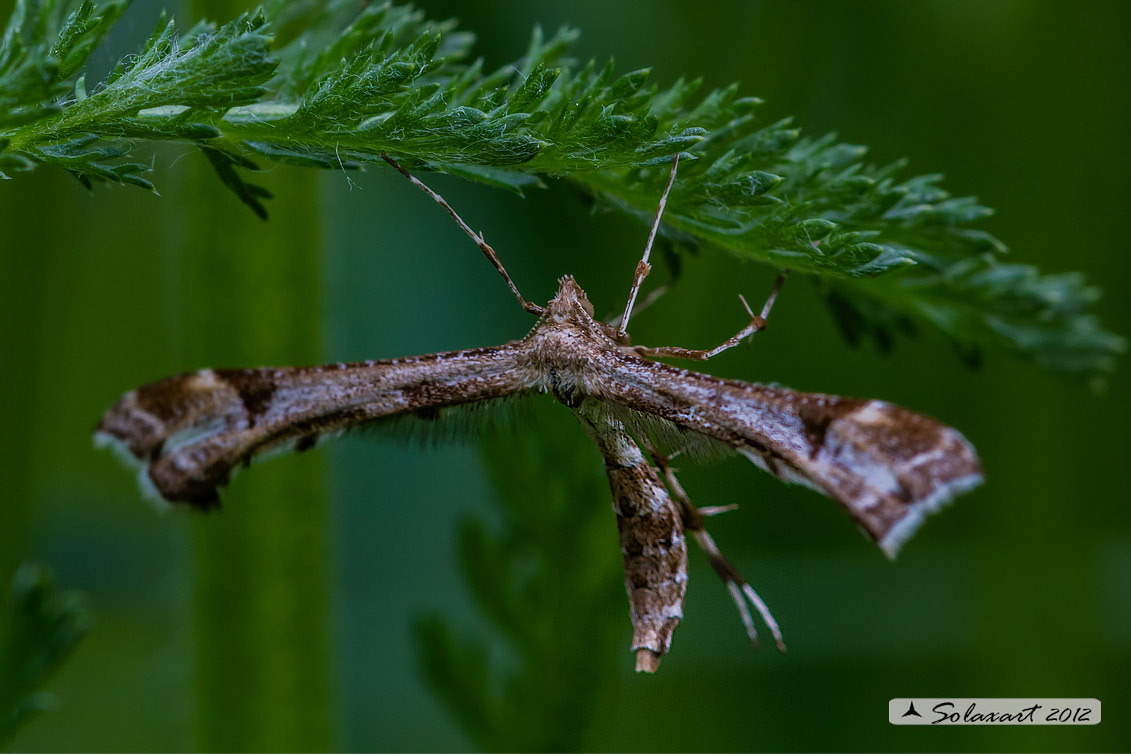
(570, 303)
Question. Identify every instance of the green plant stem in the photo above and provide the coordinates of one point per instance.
(262, 660)
(25, 278)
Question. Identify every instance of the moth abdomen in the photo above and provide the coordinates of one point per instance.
(652, 541)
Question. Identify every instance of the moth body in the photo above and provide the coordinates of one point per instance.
(886, 466)
(560, 346)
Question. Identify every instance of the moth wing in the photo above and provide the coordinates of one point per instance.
(888, 467)
(188, 434)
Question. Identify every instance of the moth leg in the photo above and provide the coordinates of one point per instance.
(646, 302)
(642, 267)
(477, 237)
(740, 590)
(757, 324)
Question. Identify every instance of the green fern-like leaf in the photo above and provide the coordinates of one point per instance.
(352, 80)
(563, 626)
(39, 627)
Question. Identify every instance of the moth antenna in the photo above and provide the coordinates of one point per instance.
(485, 247)
(642, 267)
(757, 324)
(740, 590)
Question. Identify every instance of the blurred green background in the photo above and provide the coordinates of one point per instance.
(286, 621)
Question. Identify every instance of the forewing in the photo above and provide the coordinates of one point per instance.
(888, 467)
(189, 433)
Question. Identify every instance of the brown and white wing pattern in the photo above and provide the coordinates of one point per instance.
(651, 536)
(189, 433)
(888, 467)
